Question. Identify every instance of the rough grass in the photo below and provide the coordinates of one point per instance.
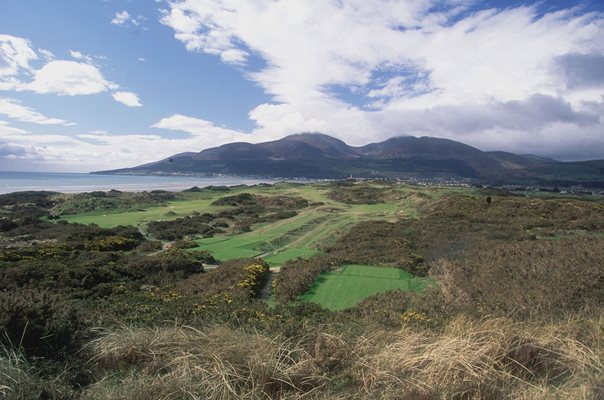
(343, 289)
(493, 358)
(20, 380)
(532, 277)
(213, 363)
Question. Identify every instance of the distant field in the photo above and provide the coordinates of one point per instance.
(345, 288)
(172, 210)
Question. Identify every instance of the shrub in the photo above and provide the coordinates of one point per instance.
(297, 276)
(380, 242)
(544, 277)
(43, 323)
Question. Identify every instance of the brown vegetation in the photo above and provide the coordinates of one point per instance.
(517, 312)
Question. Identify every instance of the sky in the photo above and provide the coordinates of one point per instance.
(102, 84)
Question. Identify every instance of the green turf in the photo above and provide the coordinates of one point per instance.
(301, 236)
(289, 254)
(265, 239)
(179, 208)
(346, 288)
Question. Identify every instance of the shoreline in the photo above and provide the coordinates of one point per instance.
(12, 182)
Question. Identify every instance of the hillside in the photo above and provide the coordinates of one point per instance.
(330, 290)
(314, 155)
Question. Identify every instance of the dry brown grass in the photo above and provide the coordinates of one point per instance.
(217, 363)
(20, 380)
(495, 358)
(548, 278)
(492, 358)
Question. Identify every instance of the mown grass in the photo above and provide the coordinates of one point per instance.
(343, 289)
(172, 210)
(281, 257)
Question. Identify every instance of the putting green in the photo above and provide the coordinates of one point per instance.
(346, 288)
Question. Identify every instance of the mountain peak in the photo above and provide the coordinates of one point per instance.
(316, 155)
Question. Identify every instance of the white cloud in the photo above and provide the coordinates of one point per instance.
(6, 129)
(102, 150)
(60, 77)
(15, 55)
(79, 56)
(194, 126)
(401, 61)
(205, 134)
(121, 18)
(68, 78)
(47, 54)
(15, 110)
(128, 98)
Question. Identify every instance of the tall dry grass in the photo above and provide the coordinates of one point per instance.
(546, 278)
(213, 363)
(494, 358)
(20, 380)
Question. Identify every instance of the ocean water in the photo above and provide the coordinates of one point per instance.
(74, 183)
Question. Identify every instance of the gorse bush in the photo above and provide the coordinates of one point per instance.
(297, 276)
(380, 243)
(180, 227)
(43, 323)
(453, 224)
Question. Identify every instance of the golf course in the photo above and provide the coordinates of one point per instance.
(306, 234)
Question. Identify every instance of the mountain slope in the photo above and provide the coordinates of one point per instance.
(314, 155)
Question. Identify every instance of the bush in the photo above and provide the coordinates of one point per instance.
(297, 276)
(549, 278)
(382, 243)
(43, 323)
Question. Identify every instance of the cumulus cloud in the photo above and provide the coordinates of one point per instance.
(127, 98)
(426, 66)
(15, 110)
(204, 133)
(581, 70)
(47, 54)
(99, 149)
(59, 77)
(8, 150)
(69, 78)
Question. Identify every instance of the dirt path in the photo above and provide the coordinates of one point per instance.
(266, 291)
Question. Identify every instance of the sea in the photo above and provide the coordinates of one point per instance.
(77, 183)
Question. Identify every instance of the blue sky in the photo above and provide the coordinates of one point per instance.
(98, 84)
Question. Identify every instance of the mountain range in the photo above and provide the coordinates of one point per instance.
(315, 155)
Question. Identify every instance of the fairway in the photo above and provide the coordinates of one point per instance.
(277, 241)
(172, 210)
(343, 289)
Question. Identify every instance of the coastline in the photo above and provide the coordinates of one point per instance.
(11, 182)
